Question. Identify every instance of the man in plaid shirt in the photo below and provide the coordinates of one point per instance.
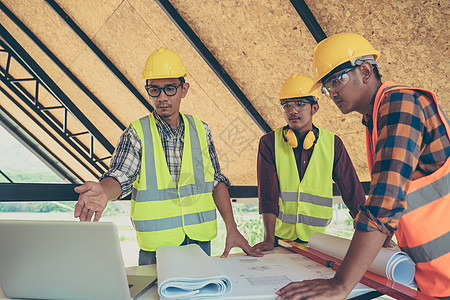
(166, 86)
(408, 149)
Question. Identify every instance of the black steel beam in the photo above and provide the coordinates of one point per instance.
(80, 33)
(50, 119)
(243, 191)
(64, 192)
(25, 137)
(6, 176)
(32, 67)
(365, 186)
(33, 192)
(309, 20)
(52, 125)
(213, 64)
(66, 71)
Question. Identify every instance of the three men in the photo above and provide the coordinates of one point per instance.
(408, 150)
(297, 164)
(168, 162)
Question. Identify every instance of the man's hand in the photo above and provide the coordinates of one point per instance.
(364, 247)
(389, 243)
(235, 239)
(263, 246)
(92, 200)
(313, 289)
(393, 246)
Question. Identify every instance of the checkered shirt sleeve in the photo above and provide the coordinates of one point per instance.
(412, 143)
(126, 161)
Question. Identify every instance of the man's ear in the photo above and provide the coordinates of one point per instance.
(184, 89)
(315, 108)
(366, 70)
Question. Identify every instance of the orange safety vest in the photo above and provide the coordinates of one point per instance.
(424, 228)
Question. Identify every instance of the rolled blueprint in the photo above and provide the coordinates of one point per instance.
(391, 264)
(186, 272)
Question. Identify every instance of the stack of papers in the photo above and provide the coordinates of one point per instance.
(186, 272)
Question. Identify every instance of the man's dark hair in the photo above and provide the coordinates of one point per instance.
(311, 99)
(182, 80)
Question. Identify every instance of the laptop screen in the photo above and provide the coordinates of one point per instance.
(61, 260)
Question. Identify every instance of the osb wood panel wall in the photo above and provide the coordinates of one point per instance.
(259, 43)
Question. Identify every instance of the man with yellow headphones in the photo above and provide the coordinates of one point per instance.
(167, 161)
(408, 153)
(296, 167)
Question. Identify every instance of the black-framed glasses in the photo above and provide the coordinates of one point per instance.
(169, 90)
(298, 105)
(336, 83)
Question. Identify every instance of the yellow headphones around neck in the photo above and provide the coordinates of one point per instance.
(291, 137)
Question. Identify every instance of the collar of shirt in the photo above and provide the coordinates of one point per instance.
(166, 130)
(367, 117)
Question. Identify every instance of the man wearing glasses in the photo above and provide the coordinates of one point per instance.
(408, 150)
(167, 161)
(296, 167)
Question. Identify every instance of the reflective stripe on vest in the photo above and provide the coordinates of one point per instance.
(313, 221)
(307, 198)
(306, 206)
(161, 212)
(173, 222)
(423, 231)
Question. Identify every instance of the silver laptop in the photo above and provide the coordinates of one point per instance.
(65, 260)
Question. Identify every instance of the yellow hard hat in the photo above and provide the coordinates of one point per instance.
(164, 63)
(298, 86)
(336, 50)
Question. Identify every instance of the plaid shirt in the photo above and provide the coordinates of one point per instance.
(412, 143)
(126, 159)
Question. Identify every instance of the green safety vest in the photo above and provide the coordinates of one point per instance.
(161, 212)
(304, 207)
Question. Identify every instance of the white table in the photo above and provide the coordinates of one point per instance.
(152, 293)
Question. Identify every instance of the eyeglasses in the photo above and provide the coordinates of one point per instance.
(336, 83)
(169, 90)
(296, 105)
